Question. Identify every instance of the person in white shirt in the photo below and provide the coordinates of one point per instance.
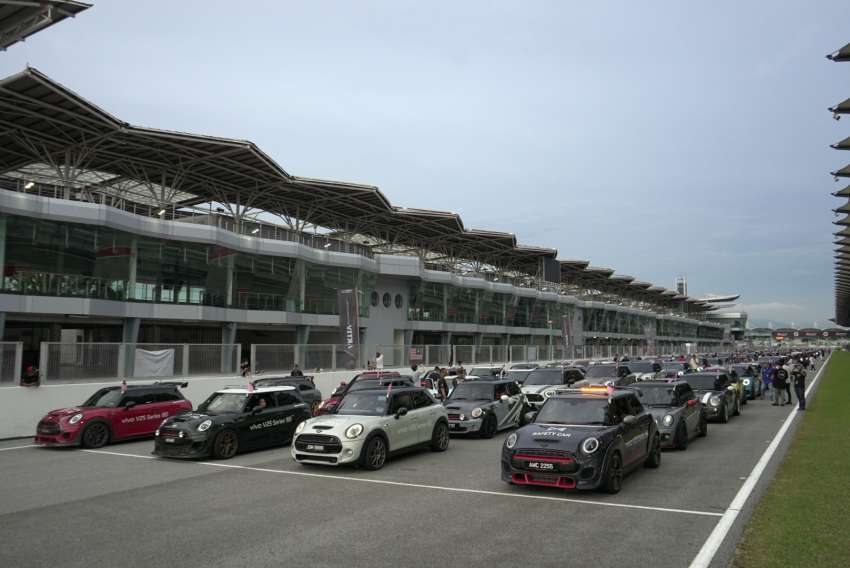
(379, 361)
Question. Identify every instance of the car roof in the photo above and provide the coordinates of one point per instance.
(258, 390)
(490, 381)
(409, 389)
(645, 384)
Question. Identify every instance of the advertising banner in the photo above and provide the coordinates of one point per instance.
(349, 328)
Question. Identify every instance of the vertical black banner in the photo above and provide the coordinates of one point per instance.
(349, 328)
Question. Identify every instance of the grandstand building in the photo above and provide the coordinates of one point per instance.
(111, 232)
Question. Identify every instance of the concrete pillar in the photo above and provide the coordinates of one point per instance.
(228, 338)
(295, 294)
(302, 338)
(2, 325)
(2, 252)
(130, 331)
(131, 273)
(228, 289)
(129, 336)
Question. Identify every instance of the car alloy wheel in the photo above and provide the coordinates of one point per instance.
(724, 415)
(614, 474)
(375, 453)
(440, 437)
(96, 435)
(226, 444)
(488, 429)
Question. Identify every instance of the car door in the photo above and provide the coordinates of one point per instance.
(290, 408)
(129, 422)
(644, 426)
(403, 431)
(690, 412)
(632, 447)
(426, 410)
(515, 404)
(253, 426)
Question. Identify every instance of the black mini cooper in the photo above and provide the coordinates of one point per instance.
(232, 420)
(583, 438)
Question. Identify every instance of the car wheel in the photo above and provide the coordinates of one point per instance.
(682, 436)
(653, 460)
(702, 431)
(724, 414)
(374, 454)
(96, 435)
(488, 429)
(736, 410)
(614, 474)
(225, 445)
(440, 437)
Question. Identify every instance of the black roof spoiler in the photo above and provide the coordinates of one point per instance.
(181, 384)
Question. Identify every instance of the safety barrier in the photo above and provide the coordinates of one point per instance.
(11, 357)
(81, 362)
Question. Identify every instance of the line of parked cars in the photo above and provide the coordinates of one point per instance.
(576, 424)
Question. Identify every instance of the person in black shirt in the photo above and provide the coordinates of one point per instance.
(798, 375)
(296, 372)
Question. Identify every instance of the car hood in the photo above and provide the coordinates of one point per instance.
(189, 420)
(466, 405)
(337, 424)
(60, 413)
(556, 436)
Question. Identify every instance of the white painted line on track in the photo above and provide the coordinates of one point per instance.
(420, 486)
(709, 549)
(18, 447)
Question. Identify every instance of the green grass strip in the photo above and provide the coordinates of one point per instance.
(803, 518)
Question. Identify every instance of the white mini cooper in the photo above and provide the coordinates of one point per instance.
(368, 425)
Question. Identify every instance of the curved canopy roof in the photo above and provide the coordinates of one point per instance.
(842, 54)
(19, 19)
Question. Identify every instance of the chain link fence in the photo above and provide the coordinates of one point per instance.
(11, 356)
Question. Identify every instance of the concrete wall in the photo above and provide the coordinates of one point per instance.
(22, 407)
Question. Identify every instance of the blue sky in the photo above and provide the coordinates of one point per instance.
(657, 138)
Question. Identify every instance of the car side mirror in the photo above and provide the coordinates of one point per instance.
(504, 398)
(530, 417)
(629, 419)
(129, 404)
(401, 412)
(692, 402)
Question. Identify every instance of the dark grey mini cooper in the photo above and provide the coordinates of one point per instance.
(677, 412)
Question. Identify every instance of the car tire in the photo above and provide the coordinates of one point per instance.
(736, 410)
(374, 453)
(96, 435)
(724, 414)
(682, 437)
(613, 480)
(653, 460)
(440, 437)
(488, 429)
(702, 430)
(225, 445)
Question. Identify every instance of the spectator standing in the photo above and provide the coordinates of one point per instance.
(789, 367)
(442, 385)
(779, 379)
(379, 361)
(766, 379)
(296, 372)
(799, 377)
(30, 378)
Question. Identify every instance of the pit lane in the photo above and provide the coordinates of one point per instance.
(84, 508)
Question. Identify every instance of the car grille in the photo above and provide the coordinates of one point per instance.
(47, 428)
(544, 452)
(330, 444)
(169, 433)
(454, 417)
(327, 459)
(534, 398)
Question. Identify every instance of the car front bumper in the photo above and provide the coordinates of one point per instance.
(465, 426)
(668, 437)
(348, 453)
(582, 473)
(712, 412)
(61, 439)
(191, 446)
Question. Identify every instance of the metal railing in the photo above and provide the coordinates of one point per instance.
(83, 362)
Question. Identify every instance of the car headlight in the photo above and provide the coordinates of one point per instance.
(746, 382)
(353, 431)
(590, 445)
(300, 427)
(548, 393)
(476, 413)
(714, 400)
(76, 418)
(204, 426)
(510, 442)
(667, 420)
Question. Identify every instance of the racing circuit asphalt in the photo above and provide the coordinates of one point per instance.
(121, 507)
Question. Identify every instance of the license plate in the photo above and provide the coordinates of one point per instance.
(169, 440)
(541, 466)
(312, 448)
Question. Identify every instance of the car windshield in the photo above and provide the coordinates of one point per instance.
(658, 395)
(104, 398)
(521, 366)
(545, 377)
(573, 411)
(378, 384)
(483, 371)
(672, 366)
(601, 372)
(223, 403)
(702, 382)
(641, 367)
(473, 390)
(363, 404)
(518, 376)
